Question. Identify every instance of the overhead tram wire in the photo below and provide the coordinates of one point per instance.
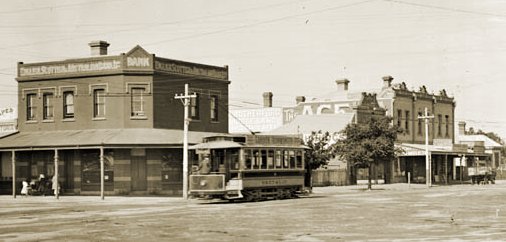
(260, 23)
(144, 27)
(57, 6)
(456, 10)
(213, 32)
(237, 119)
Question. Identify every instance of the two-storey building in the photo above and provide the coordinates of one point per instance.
(119, 110)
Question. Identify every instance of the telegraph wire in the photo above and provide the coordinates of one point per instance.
(456, 10)
(259, 23)
(58, 6)
(136, 28)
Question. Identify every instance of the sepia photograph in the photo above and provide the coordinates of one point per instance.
(282, 120)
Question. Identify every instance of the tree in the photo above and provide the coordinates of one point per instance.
(368, 144)
(320, 151)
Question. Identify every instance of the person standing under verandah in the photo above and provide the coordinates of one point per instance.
(25, 189)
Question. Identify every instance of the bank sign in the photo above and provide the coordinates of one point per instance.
(136, 59)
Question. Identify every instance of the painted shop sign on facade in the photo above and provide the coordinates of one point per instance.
(8, 113)
(177, 67)
(136, 59)
(69, 68)
(314, 109)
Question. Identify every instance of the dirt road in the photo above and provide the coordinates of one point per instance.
(390, 212)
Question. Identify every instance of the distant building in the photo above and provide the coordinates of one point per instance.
(404, 106)
(8, 121)
(119, 109)
(254, 119)
(481, 141)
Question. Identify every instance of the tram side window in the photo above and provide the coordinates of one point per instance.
(263, 161)
(292, 159)
(298, 158)
(234, 159)
(285, 159)
(256, 159)
(247, 159)
(270, 159)
(278, 158)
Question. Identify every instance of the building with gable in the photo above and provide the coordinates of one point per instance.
(404, 106)
(118, 111)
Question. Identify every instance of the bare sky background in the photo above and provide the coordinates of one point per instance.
(288, 47)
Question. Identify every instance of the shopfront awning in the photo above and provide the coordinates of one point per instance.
(419, 150)
(99, 137)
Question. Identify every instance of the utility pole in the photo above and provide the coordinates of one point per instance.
(185, 99)
(428, 168)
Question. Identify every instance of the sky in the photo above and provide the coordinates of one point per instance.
(288, 47)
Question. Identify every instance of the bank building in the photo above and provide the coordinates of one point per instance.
(118, 111)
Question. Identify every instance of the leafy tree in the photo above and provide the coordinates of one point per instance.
(320, 151)
(368, 144)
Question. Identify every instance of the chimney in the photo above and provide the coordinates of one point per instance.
(267, 99)
(387, 81)
(342, 85)
(300, 99)
(98, 47)
(462, 128)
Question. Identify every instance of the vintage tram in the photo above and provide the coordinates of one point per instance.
(248, 167)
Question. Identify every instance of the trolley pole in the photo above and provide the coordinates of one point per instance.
(428, 169)
(185, 99)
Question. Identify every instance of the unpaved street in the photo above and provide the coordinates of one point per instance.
(390, 212)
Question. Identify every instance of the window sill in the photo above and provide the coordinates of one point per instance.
(215, 122)
(48, 121)
(68, 120)
(31, 122)
(138, 117)
(98, 119)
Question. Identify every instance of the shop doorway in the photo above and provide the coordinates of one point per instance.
(139, 174)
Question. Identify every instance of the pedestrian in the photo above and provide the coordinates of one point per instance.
(24, 190)
(42, 186)
(55, 186)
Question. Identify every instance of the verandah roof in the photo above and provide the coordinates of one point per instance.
(99, 137)
(419, 150)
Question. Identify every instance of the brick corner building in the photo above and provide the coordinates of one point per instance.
(118, 108)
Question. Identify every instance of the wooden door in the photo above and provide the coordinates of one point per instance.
(138, 171)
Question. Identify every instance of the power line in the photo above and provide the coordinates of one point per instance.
(57, 6)
(258, 23)
(456, 10)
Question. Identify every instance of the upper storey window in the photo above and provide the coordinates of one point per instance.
(214, 108)
(194, 107)
(30, 107)
(99, 103)
(137, 101)
(68, 104)
(47, 105)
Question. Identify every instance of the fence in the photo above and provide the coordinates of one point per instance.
(323, 178)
